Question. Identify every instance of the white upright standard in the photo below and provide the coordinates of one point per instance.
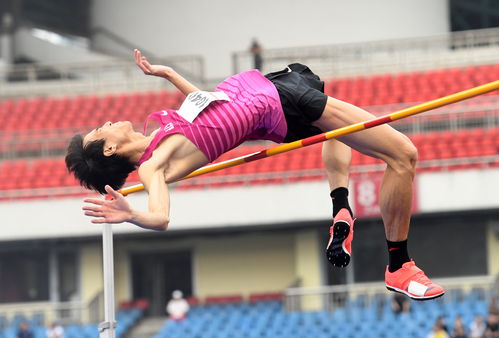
(108, 326)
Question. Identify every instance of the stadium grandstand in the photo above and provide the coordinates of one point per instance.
(246, 245)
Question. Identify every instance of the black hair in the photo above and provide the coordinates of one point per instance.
(93, 169)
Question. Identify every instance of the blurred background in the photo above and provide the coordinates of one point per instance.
(246, 245)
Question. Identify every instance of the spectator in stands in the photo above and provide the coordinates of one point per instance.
(459, 331)
(477, 327)
(439, 329)
(493, 307)
(492, 330)
(55, 331)
(24, 331)
(177, 308)
(256, 51)
(400, 304)
(283, 106)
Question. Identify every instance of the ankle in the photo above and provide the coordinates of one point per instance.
(339, 198)
(397, 254)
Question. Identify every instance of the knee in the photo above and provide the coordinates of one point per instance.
(411, 154)
(336, 156)
(336, 162)
(405, 158)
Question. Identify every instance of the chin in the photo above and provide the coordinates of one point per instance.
(127, 125)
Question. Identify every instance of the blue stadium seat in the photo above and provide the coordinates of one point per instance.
(359, 318)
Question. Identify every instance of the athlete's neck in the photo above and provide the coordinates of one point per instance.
(136, 146)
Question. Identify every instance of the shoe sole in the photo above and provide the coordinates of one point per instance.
(336, 252)
(423, 298)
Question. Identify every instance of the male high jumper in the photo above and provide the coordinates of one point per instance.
(283, 106)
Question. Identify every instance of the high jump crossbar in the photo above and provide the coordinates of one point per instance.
(107, 328)
(400, 114)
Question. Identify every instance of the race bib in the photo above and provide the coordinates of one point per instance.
(195, 102)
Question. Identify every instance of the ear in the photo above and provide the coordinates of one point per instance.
(109, 149)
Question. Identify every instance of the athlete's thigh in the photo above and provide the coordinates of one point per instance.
(381, 141)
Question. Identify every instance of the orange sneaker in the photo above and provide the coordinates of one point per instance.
(412, 282)
(339, 247)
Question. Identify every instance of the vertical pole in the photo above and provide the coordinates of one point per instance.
(107, 327)
(54, 283)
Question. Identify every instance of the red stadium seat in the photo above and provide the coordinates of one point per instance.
(224, 299)
(258, 297)
(21, 119)
(193, 301)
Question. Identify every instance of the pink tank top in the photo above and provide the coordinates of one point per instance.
(254, 113)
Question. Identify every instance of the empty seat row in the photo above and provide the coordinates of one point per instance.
(50, 113)
(410, 87)
(42, 114)
(297, 165)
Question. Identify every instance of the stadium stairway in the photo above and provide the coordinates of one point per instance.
(146, 327)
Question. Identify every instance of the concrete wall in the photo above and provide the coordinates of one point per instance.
(230, 264)
(237, 264)
(123, 276)
(493, 248)
(216, 29)
(91, 272)
(26, 44)
(308, 265)
(244, 264)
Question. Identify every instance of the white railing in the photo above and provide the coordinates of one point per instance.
(63, 79)
(73, 312)
(336, 296)
(48, 312)
(441, 51)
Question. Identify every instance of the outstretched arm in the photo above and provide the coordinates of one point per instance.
(118, 210)
(165, 72)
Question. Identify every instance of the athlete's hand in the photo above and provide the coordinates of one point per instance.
(148, 69)
(116, 210)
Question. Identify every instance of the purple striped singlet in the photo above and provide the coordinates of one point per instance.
(254, 113)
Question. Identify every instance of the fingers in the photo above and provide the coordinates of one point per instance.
(146, 65)
(91, 208)
(136, 55)
(94, 201)
(93, 211)
(144, 68)
(142, 62)
(101, 217)
(94, 214)
(112, 192)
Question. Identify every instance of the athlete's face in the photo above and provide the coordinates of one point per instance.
(114, 134)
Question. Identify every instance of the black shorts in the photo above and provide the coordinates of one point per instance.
(302, 98)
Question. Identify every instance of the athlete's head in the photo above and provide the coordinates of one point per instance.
(100, 158)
